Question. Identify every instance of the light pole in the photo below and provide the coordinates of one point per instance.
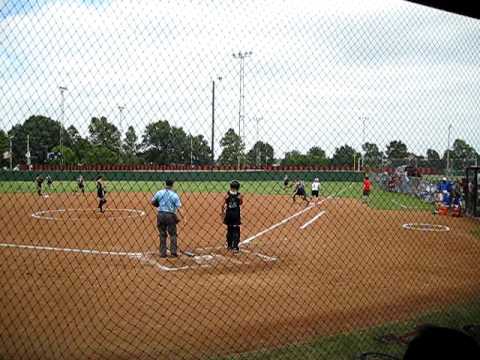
(191, 150)
(241, 104)
(258, 155)
(28, 155)
(62, 121)
(120, 125)
(10, 138)
(219, 78)
(362, 156)
(448, 149)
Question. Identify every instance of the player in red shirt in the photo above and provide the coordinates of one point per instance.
(367, 186)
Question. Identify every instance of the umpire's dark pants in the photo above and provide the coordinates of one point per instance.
(167, 223)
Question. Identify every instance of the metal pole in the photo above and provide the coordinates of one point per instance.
(448, 149)
(191, 150)
(11, 153)
(121, 108)
(241, 103)
(62, 121)
(213, 121)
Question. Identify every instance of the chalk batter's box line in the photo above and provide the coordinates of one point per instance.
(150, 261)
(141, 257)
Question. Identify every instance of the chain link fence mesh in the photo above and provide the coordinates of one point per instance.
(103, 101)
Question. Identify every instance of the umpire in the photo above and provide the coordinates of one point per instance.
(168, 204)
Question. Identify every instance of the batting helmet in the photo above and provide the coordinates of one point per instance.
(235, 184)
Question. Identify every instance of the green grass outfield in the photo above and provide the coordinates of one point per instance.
(378, 199)
(350, 345)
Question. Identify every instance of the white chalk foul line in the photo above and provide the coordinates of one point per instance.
(71, 250)
(274, 226)
(284, 221)
(312, 220)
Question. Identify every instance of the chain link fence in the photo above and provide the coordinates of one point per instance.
(305, 141)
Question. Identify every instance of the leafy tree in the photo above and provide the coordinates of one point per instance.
(69, 156)
(344, 155)
(462, 154)
(99, 154)
(130, 146)
(260, 154)
(4, 147)
(433, 159)
(233, 148)
(44, 135)
(372, 155)
(316, 156)
(82, 148)
(294, 157)
(202, 154)
(104, 133)
(73, 134)
(397, 150)
(156, 142)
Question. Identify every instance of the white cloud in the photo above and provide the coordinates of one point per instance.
(316, 67)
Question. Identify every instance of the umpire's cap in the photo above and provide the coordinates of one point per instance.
(169, 182)
(235, 184)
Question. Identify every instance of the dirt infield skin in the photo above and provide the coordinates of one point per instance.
(353, 267)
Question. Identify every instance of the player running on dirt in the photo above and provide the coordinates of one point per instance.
(101, 193)
(299, 190)
(315, 188)
(81, 184)
(231, 215)
(39, 183)
(49, 181)
(286, 182)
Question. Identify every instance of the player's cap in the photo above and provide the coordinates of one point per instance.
(169, 182)
(235, 184)
(444, 178)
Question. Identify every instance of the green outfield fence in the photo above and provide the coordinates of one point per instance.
(103, 101)
(225, 176)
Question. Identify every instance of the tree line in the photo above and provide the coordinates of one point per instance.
(162, 143)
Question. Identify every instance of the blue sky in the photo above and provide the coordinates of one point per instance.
(317, 68)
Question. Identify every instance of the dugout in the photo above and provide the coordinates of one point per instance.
(471, 190)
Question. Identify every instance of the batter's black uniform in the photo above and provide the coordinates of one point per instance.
(81, 185)
(101, 194)
(233, 219)
(39, 181)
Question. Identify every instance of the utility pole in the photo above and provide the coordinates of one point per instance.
(258, 155)
(120, 125)
(62, 121)
(219, 78)
(11, 153)
(28, 155)
(191, 150)
(448, 149)
(362, 155)
(241, 105)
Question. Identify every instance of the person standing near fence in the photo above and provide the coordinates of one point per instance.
(367, 187)
(168, 205)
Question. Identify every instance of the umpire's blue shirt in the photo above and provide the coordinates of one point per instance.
(168, 201)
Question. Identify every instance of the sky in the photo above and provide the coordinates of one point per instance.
(322, 73)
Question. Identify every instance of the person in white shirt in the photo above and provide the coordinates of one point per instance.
(315, 188)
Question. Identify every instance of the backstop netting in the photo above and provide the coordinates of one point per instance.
(235, 180)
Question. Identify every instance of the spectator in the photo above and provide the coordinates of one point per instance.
(439, 343)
